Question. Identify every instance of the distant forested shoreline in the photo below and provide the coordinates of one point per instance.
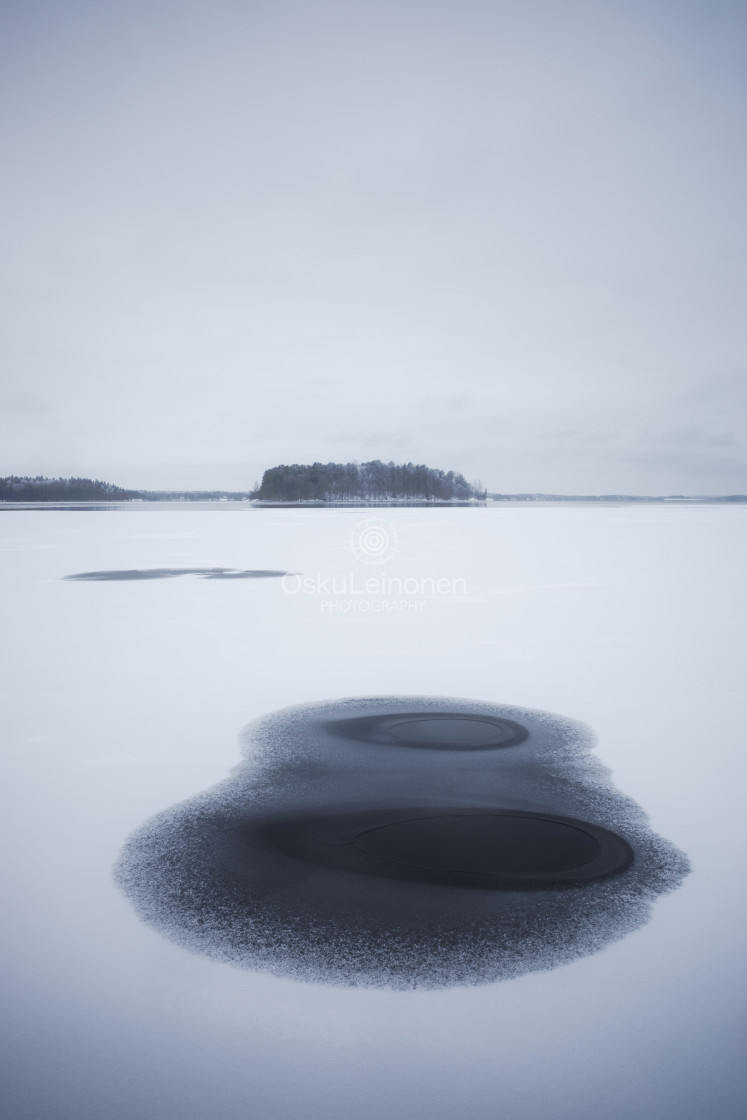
(369, 482)
(352, 483)
(16, 488)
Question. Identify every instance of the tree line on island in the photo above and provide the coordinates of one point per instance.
(16, 488)
(369, 482)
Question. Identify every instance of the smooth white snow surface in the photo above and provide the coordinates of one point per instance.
(122, 698)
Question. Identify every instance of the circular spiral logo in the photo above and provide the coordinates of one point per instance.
(373, 540)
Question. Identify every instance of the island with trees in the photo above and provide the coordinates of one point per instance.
(371, 482)
(18, 488)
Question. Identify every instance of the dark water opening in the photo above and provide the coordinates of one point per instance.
(496, 850)
(339, 854)
(435, 730)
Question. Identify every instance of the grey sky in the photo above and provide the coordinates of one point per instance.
(504, 238)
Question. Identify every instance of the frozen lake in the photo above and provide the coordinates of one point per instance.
(125, 693)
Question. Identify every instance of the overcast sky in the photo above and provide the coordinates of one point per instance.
(505, 238)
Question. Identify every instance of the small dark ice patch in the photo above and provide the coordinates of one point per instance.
(168, 573)
(337, 853)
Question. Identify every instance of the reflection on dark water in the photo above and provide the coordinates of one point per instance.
(167, 573)
(403, 842)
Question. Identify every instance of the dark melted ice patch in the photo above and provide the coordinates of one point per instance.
(403, 842)
(168, 573)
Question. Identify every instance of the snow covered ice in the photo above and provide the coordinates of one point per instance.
(122, 698)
